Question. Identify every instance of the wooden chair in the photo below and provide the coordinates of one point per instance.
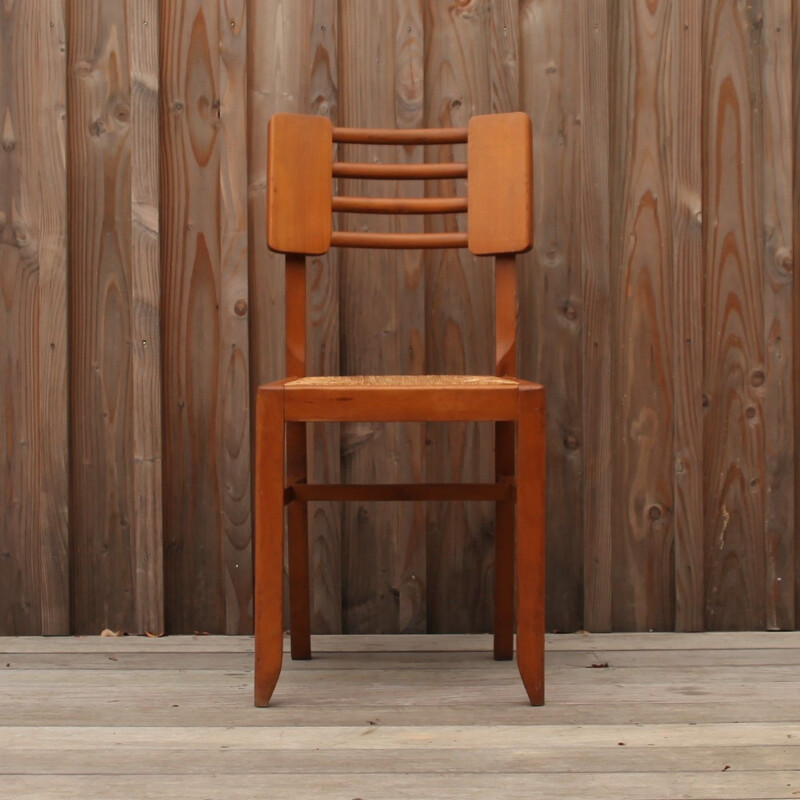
(300, 208)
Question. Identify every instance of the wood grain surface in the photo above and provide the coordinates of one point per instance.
(796, 291)
(207, 514)
(114, 316)
(322, 280)
(658, 305)
(686, 198)
(146, 317)
(34, 535)
(371, 453)
(458, 338)
(551, 286)
(733, 380)
(412, 566)
(775, 47)
(641, 303)
(596, 269)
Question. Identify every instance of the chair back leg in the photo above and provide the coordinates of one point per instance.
(504, 546)
(299, 592)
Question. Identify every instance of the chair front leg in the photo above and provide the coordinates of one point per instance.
(531, 541)
(299, 610)
(269, 494)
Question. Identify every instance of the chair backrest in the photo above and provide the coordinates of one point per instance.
(498, 205)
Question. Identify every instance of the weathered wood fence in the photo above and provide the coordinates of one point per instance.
(139, 308)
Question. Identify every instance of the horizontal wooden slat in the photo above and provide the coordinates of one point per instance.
(400, 403)
(344, 169)
(393, 136)
(399, 241)
(401, 205)
(494, 492)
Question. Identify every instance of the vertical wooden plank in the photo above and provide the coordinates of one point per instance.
(776, 121)
(409, 112)
(101, 389)
(459, 312)
(277, 80)
(324, 462)
(145, 318)
(34, 568)
(550, 287)
(369, 333)
(505, 36)
(51, 59)
(641, 252)
(596, 269)
(687, 225)
(796, 292)
(734, 369)
(233, 429)
(205, 303)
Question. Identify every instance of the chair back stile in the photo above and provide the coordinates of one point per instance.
(498, 206)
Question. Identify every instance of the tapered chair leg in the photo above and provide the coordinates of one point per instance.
(531, 541)
(269, 490)
(504, 547)
(299, 610)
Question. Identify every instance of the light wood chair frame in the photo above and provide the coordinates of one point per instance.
(499, 223)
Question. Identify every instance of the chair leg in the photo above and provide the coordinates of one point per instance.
(299, 605)
(269, 489)
(531, 541)
(504, 547)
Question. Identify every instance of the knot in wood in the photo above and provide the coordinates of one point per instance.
(654, 512)
(240, 308)
(783, 256)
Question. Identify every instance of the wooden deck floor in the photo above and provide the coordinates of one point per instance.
(671, 715)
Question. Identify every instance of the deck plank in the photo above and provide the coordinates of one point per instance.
(674, 642)
(298, 786)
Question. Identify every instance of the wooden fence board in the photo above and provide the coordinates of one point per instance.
(776, 167)
(369, 332)
(206, 459)
(411, 568)
(324, 462)
(796, 290)
(551, 287)
(641, 256)
(686, 197)
(458, 314)
(596, 269)
(146, 318)
(733, 468)
(234, 423)
(276, 81)
(34, 568)
(103, 518)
